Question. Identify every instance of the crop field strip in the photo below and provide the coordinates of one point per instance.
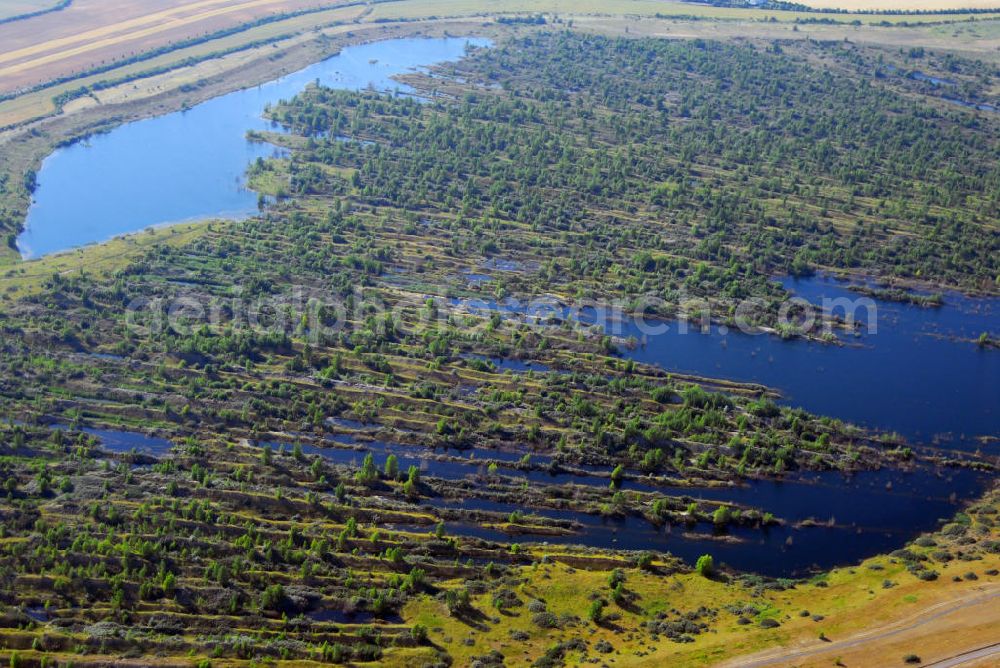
(103, 88)
(39, 62)
(177, 68)
(884, 5)
(397, 9)
(407, 9)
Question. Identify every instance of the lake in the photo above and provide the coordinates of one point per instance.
(920, 374)
(191, 164)
(853, 516)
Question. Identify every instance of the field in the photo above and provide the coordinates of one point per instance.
(57, 49)
(330, 577)
(256, 53)
(175, 65)
(980, 39)
(91, 33)
(668, 8)
(12, 8)
(900, 5)
(99, 260)
(85, 35)
(850, 617)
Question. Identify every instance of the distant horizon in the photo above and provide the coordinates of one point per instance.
(901, 5)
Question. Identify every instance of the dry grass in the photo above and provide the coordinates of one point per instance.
(871, 614)
(863, 623)
(34, 105)
(414, 9)
(95, 260)
(87, 34)
(978, 40)
(32, 58)
(906, 5)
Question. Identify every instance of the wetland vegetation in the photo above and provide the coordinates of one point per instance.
(323, 434)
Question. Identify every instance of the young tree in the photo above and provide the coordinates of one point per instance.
(596, 612)
(705, 566)
(368, 472)
(392, 467)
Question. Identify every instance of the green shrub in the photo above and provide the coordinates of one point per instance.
(705, 566)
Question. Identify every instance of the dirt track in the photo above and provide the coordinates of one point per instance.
(959, 631)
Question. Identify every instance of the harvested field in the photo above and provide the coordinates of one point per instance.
(943, 629)
(902, 5)
(40, 103)
(91, 33)
(980, 40)
(646, 8)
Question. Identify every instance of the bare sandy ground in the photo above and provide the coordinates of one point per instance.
(961, 630)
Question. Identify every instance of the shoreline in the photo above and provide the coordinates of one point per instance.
(27, 146)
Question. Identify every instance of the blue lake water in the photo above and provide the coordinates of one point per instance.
(920, 374)
(856, 516)
(937, 81)
(191, 164)
(126, 441)
(910, 376)
(981, 106)
(865, 519)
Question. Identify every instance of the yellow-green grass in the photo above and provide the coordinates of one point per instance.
(877, 595)
(853, 600)
(274, 181)
(98, 259)
(969, 32)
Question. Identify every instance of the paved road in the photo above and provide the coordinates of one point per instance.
(774, 658)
